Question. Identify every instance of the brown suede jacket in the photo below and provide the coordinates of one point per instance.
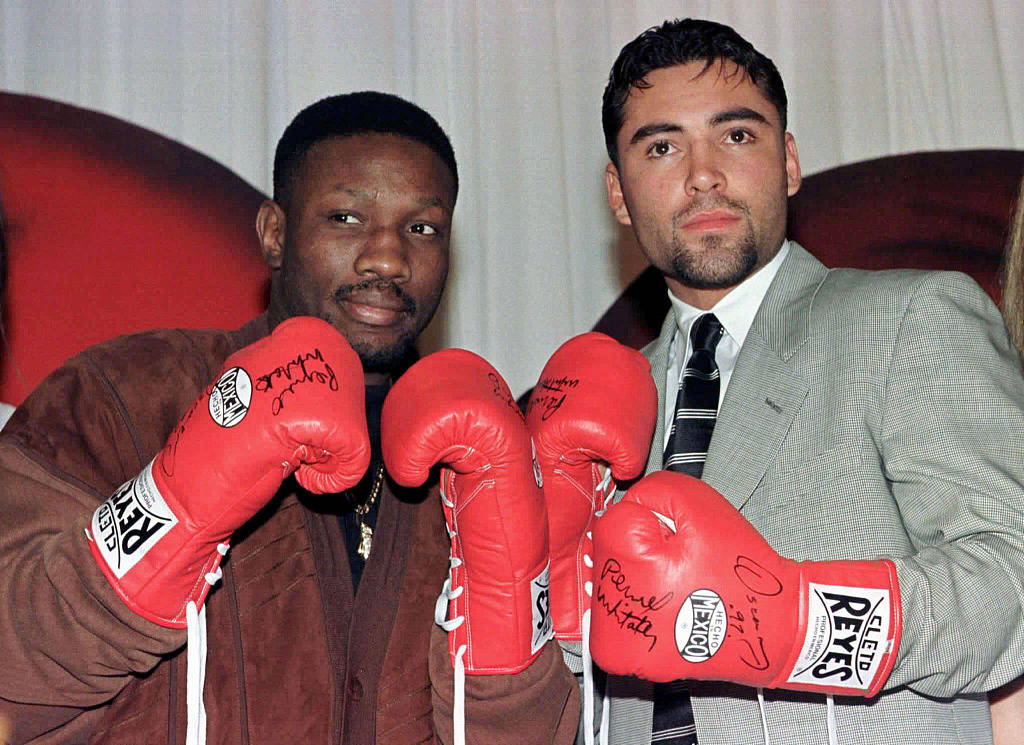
(293, 656)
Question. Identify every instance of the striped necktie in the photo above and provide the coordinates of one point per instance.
(696, 402)
(686, 451)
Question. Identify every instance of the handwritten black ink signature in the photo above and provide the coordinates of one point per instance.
(171, 453)
(549, 405)
(612, 571)
(501, 391)
(630, 610)
(550, 394)
(755, 577)
(559, 384)
(755, 655)
(758, 658)
(762, 583)
(294, 373)
(639, 624)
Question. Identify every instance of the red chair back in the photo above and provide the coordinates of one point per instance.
(111, 228)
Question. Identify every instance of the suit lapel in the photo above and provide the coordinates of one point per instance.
(765, 393)
(759, 406)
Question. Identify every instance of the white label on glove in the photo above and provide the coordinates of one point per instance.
(847, 636)
(230, 397)
(540, 597)
(701, 625)
(128, 524)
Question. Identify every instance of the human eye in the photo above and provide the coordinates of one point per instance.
(345, 218)
(659, 148)
(739, 136)
(422, 228)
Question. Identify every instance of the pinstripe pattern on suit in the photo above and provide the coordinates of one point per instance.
(871, 442)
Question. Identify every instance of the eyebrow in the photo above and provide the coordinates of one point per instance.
(366, 195)
(434, 202)
(649, 130)
(741, 113)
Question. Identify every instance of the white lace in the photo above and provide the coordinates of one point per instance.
(448, 593)
(459, 710)
(588, 668)
(588, 664)
(764, 716)
(830, 719)
(195, 678)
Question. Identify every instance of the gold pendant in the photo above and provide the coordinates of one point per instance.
(365, 531)
(365, 539)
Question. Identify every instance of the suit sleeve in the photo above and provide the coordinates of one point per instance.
(539, 705)
(953, 451)
(66, 640)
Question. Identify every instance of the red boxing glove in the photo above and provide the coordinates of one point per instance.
(292, 401)
(595, 404)
(453, 408)
(712, 600)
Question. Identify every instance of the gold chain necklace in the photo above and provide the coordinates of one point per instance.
(361, 510)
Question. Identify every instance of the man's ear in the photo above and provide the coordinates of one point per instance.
(615, 198)
(792, 166)
(270, 227)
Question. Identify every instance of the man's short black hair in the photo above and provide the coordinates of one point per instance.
(679, 42)
(352, 114)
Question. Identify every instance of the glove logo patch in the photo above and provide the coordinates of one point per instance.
(131, 522)
(701, 625)
(847, 636)
(230, 397)
(540, 599)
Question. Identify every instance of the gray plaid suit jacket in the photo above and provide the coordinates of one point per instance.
(874, 414)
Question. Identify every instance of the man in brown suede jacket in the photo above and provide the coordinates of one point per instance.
(321, 628)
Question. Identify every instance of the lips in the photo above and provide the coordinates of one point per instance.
(711, 220)
(375, 302)
(374, 308)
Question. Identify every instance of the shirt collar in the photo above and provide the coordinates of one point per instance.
(737, 309)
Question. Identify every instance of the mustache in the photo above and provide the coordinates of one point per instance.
(706, 204)
(382, 286)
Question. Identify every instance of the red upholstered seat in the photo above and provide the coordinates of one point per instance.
(111, 228)
(932, 210)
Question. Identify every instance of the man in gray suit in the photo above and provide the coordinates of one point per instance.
(861, 415)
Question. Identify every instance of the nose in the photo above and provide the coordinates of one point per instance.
(384, 254)
(704, 169)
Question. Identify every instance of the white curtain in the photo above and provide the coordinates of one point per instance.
(517, 85)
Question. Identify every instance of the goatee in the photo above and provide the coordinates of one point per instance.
(714, 266)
